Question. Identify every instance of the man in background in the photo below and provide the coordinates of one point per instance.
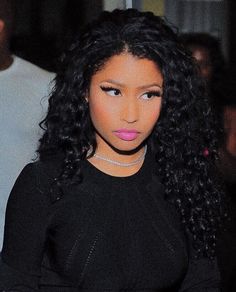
(24, 88)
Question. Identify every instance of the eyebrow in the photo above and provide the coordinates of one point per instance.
(140, 87)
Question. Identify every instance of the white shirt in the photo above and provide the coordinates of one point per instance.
(24, 89)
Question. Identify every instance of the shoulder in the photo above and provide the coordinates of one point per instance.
(34, 70)
(39, 171)
(35, 180)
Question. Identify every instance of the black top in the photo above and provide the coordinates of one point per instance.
(105, 234)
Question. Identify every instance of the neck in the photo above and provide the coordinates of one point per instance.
(122, 164)
(6, 59)
(119, 165)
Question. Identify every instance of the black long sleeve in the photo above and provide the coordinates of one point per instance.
(25, 232)
(106, 234)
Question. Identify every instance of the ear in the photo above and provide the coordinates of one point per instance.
(2, 25)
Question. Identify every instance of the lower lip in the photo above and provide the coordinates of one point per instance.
(127, 136)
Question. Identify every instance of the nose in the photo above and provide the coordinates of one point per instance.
(130, 112)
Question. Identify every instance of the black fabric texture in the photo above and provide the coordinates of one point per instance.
(105, 234)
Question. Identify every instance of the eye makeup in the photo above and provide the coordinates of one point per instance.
(110, 90)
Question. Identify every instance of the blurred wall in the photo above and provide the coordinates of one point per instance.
(208, 16)
(156, 6)
(232, 37)
(44, 27)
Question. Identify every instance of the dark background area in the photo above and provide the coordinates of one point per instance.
(232, 37)
(43, 28)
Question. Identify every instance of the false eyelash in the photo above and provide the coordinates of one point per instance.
(156, 93)
(108, 88)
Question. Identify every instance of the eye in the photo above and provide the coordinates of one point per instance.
(111, 91)
(151, 94)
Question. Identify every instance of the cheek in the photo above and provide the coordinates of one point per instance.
(153, 114)
(101, 113)
(149, 121)
(206, 72)
(153, 117)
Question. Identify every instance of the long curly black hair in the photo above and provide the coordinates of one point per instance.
(184, 136)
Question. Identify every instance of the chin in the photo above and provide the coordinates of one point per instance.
(127, 146)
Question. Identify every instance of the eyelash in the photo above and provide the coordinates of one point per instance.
(107, 89)
(149, 93)
(153, 94)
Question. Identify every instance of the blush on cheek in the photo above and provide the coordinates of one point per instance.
(154, 116)
(101, 114)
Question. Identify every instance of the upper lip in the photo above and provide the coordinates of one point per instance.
(126, 131)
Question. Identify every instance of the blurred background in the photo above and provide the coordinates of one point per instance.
(44, 27)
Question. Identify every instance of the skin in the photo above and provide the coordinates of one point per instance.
(203, 60)
(124, 94)
(5, 54)
(230, 129)
(227, 163)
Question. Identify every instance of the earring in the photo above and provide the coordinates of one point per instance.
(86, 102)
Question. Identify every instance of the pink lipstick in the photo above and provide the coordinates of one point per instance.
(126, 135)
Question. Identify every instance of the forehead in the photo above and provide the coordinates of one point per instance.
(127, 68)
(200, 52)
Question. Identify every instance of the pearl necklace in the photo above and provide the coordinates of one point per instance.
(123, 164)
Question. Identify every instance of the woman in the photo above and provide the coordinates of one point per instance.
(123, 196)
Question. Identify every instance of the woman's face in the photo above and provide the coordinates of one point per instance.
(125, 98)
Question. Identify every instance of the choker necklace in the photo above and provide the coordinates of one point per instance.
(123, 164)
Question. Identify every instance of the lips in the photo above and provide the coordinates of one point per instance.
(126, 135)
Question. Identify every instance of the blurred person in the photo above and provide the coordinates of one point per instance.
(226, 248)
(228, 149)
(123, 196)
(22, 89)
(207, 52)
(230, 128)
